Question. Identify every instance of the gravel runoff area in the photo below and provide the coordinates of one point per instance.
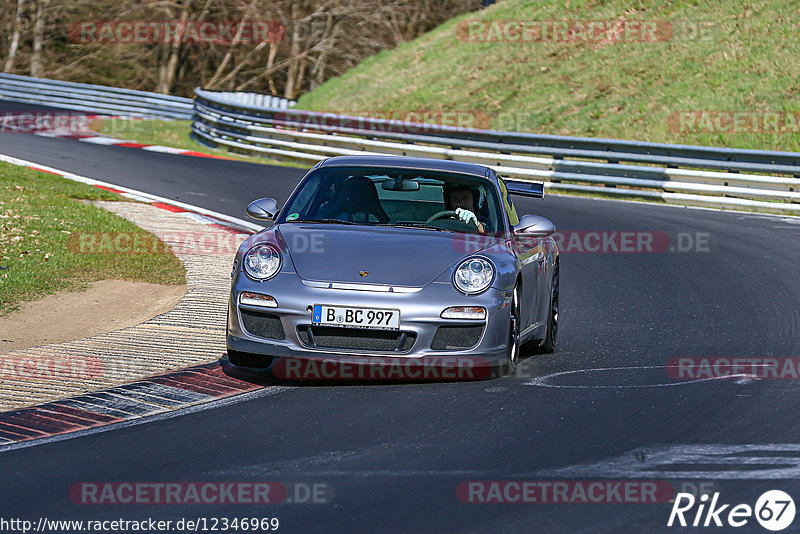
(193, 332)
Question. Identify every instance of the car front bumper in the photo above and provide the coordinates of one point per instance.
(286, 331)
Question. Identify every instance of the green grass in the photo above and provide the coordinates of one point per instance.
(41, 215)
(172, 133)
(746, 60)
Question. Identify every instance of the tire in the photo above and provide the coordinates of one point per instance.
(512, 357)
(551, 336)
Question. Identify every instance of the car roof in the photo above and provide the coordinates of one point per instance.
(402, 162)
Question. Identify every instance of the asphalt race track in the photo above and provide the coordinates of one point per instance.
(393, 455)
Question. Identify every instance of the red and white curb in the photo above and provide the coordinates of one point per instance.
(158, 394)
(112, 141)
(154, 398)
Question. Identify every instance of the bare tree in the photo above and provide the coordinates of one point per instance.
(12, 49)
(168, 71)
(229, 54)
(321, 39)
(38, 37)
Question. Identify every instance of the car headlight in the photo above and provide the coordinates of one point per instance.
(473, 275)
(262, 262)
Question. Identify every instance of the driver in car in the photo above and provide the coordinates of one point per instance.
(464, 201)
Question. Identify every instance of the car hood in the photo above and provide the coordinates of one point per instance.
(391, 256)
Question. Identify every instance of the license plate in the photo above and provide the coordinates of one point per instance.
(356, 317)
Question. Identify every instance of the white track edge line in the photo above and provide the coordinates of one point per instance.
(153, 198)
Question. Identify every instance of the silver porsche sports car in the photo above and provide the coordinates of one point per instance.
(375, 259)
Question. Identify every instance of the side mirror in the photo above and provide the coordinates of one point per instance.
(535, 226)
(263, 209)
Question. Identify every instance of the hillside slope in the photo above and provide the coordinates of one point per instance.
(677, 84)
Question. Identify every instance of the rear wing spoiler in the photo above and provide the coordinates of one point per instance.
(525, 189)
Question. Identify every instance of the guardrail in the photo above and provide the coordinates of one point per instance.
(94, 98)
(254, 99)
(265, 125)
(679, 174)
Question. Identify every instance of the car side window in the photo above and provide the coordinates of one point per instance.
(508, 204)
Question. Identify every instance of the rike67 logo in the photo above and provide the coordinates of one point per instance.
(774, 510)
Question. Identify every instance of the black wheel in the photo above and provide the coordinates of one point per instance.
(551, 336)
(510, 365)
(246, 359)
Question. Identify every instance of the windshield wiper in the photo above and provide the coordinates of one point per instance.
(325, 221)
(419, 225)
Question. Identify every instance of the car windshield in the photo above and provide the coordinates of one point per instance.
(396, 197)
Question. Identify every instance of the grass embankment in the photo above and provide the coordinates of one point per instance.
(171, 133)
(39, 213)
(722, 56)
